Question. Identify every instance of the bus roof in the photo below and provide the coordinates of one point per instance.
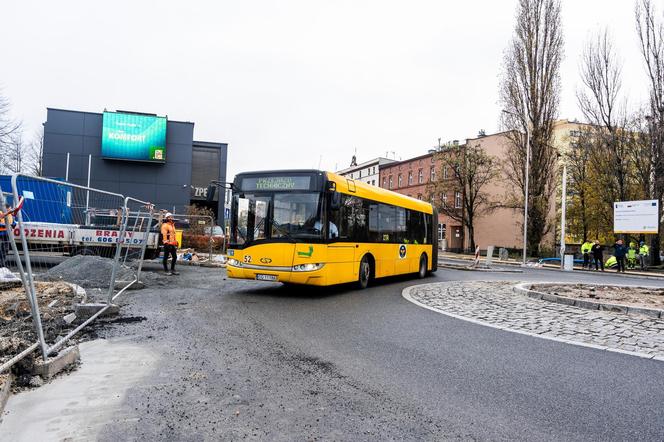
(379, 194)
(362, 189)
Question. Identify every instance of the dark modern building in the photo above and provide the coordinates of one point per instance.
(181, 179)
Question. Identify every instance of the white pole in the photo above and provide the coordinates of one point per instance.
(67, 169)
(87, 193)
(525, 205)
(563, 218)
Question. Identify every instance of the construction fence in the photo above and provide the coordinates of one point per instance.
(200, 240)
(67, 245)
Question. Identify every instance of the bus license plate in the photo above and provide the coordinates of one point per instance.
(260, 277)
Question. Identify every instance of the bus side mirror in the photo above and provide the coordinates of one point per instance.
(335, 201)
(211, 189)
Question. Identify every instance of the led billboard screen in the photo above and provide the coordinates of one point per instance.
(133, 137)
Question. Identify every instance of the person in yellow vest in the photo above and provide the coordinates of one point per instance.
(6, 222)
(586, 248)
(644, 251)
(170, 243)
(631, 256)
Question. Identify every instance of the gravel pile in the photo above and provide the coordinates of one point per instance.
(87, 271)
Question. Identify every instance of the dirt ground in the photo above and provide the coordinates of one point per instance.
(56, 299)
(630, 296)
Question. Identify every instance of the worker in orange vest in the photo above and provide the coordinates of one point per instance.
(170, 243)
(6, 223)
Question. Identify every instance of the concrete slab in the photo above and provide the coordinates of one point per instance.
(78, 406)
(85, 311)
(54, 365)
(5, 391)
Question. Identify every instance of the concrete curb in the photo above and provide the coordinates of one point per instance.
(56, 364)
(406, 294)
(476, 269)
(5, 392)
(555, 268)
(525, 288)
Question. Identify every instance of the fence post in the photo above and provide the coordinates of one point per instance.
(30, 283)
(145, 241)
(118, 250)
(210, 240)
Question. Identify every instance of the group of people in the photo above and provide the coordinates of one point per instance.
(623, 256)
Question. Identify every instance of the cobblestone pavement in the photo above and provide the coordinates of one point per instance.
(496, 304)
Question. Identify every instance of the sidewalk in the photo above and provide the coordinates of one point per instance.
(460, 256)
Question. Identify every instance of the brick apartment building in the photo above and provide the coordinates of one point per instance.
(414, 177)
(502, 227)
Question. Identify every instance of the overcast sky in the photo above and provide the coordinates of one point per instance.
(290, 84)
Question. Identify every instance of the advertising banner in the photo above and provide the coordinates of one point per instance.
(636, 216)
(133, 137)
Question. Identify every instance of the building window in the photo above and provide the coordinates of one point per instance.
(457, 200)
(410, 178)
(433, 174)
(390, 181)
(419, 196)
(420, 176)
(373, 182)
(384, 182)
(400, 181)
(444, 172)
(443, 199)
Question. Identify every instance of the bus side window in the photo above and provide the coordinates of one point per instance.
(416, 228)
(374, 231)
(387, 223)
(429, 228)
(401, 234)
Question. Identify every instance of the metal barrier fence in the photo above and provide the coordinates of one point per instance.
(199, 234)
(77, 234)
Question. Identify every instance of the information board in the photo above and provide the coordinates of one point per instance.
(636, 216)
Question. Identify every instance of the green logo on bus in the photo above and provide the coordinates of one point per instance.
(307, 254)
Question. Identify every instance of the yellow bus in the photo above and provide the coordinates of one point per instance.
(319, 228)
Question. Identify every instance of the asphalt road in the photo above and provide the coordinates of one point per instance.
(246, 360)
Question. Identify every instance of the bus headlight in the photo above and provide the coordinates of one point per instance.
(234, 262)
(307, 267)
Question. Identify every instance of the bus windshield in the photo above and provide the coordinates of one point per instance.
(290, 216)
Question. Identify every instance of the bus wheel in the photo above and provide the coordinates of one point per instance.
(422, 272)
(365, 273)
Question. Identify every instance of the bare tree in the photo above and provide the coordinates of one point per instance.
(650, 31)
(13, 157)
(529, 93)
(601, 72)
(472, 170)
(8, 130)
(36, 155)
(8, 126)
(610, 142)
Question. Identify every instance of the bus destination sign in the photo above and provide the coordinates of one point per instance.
(276, 183)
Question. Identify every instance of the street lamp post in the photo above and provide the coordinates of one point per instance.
(563, 217)
(525, 197)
